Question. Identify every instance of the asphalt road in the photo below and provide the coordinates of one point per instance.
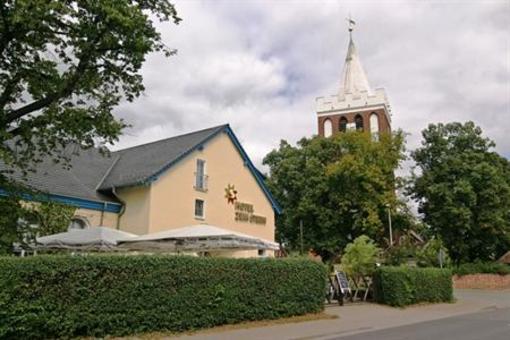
(490, 325)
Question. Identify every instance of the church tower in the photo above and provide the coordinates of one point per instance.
(356, 106)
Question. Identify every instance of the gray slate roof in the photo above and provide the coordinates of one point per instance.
(87, 170)
(93, 174)
(137, 164)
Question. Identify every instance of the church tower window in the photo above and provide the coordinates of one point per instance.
(359, 122)
(374, 125)
(343, 124)
(328, 128)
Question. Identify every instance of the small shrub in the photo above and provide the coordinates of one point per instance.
(402, 286)
(360, 257)
(482, 268)
(64, 297)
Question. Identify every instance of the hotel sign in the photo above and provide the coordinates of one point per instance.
(244, 212)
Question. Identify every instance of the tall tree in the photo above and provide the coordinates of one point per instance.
(463, 190)
(64, 66)
(339, 187)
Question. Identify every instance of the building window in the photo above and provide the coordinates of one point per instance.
(262, 253)
(359, 122)
(343, 124)
(200, 176)
(328, 128)
(78, 223)
(374, 126)
(199, 209)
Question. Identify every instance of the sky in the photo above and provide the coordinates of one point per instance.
(259, 65)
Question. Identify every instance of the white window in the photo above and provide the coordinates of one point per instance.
(328, 128)
(199, 208)
(374, 126)
(200, 176)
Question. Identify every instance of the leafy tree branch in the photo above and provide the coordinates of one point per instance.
(64, 67)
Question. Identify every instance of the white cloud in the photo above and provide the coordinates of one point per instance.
(260, 64)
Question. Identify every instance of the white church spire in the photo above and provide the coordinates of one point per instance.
(354, 78)
(356, 106)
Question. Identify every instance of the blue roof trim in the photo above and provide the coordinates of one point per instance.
(255, 172)
(73, 201)
(226, 129)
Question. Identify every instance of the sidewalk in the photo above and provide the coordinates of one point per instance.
(356, 318)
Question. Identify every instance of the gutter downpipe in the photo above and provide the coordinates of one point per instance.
(122, 209)
(102, 214)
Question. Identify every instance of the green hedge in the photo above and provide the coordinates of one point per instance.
(68, 296)
(482, 268)
(402, 286)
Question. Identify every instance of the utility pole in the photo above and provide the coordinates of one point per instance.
(441, 257)
(389, 223)
(301, 235)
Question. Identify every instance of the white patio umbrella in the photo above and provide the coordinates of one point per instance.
(199, 237)
(95, 238)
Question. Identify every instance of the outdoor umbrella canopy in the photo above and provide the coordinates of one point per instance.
(196, 238)
(98, 238)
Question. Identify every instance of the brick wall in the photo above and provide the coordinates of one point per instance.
(384, 125)
(482, 281)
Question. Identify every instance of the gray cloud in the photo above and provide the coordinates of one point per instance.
(260, 64)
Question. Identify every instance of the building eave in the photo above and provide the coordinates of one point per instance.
(84, 203)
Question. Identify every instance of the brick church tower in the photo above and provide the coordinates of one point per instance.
(356, 106)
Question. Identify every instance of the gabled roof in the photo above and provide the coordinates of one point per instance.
(139, 164)
(145, 163)
(93, 176)
(505, 258)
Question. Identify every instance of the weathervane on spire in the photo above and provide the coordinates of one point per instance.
(351, 23)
